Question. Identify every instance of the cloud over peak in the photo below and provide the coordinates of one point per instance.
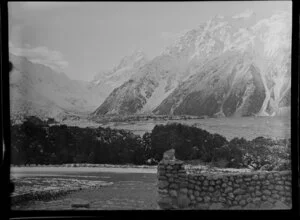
(42, 55)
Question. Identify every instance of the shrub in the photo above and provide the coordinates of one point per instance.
(35, 142)
(266, 154)
(232, 154)
(189, 142)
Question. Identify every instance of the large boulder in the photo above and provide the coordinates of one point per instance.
(169, 155)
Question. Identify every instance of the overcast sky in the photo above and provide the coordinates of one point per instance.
(83, 38)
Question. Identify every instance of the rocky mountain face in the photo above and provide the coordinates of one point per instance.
(227, 66)
(38, 90)
(121, 73)
(145, 89)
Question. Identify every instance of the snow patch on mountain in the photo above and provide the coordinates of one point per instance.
(157, 96)
(225, 66)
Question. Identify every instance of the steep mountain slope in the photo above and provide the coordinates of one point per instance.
(145, 89)
(107, 81)
(219, 88)
(26, 101)
(227, 66)
(38, 90)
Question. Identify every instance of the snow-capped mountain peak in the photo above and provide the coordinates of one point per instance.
(123, 70)
(137, 58)
(225, 66)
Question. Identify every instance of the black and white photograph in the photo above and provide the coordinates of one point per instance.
(150, 105)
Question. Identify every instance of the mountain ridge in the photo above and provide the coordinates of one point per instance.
(188, 66)
(225, 67)
(36, 89)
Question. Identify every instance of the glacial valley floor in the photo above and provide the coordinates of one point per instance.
(129, 191)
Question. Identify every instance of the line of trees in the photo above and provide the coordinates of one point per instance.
(36, 142)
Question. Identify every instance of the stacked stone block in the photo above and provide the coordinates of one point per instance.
(254, 190)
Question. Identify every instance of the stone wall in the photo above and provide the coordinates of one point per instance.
(179, 189)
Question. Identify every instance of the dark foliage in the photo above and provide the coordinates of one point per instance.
(189, 142)
(260, 153)
(37, 142)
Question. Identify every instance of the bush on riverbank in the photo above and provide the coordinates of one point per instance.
(35, 142)
(259, 153)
